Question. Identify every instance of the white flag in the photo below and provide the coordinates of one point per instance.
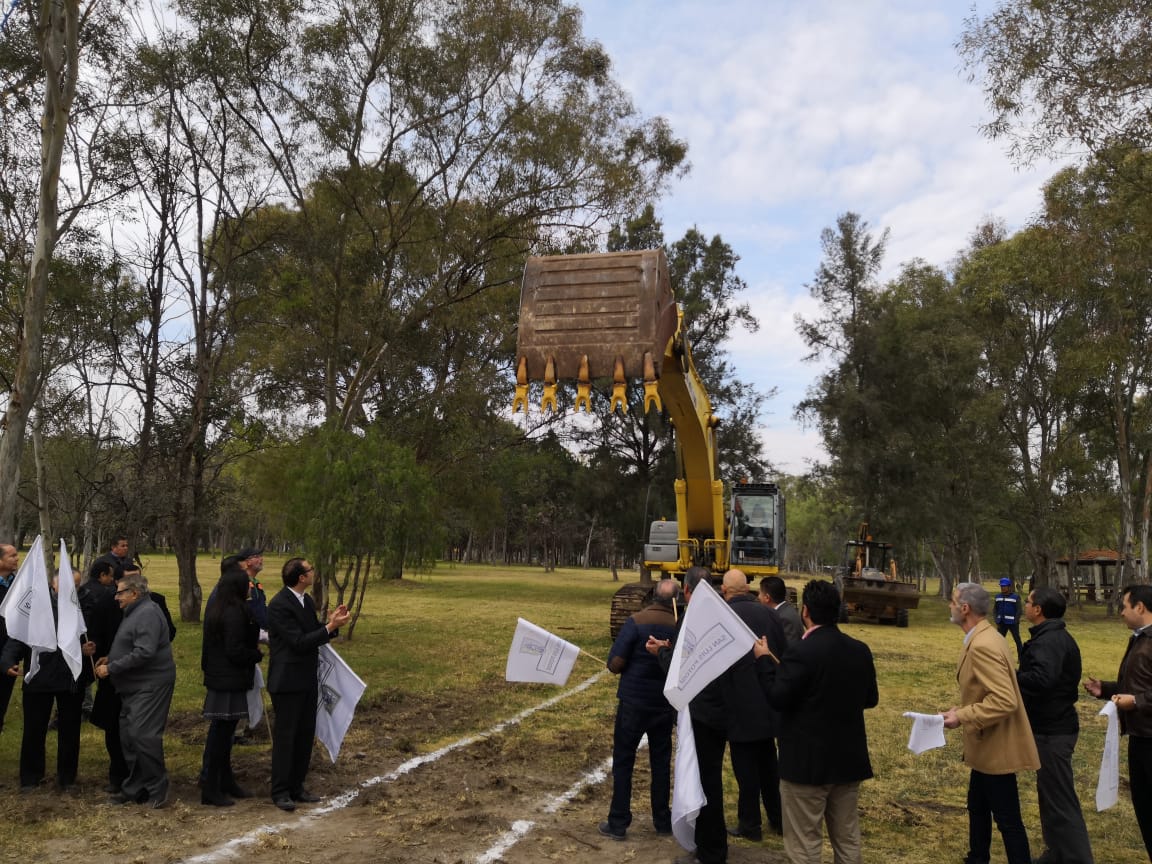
(69, 619)
(256, 699)
(688, 797)
(1108, 787)
(27, 607)
(539, 657)
(712, 637)
(340, 690)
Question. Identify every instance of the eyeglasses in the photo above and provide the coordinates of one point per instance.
(306, 572)
(124, 591)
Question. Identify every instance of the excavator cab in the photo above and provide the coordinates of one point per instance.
(756, 526)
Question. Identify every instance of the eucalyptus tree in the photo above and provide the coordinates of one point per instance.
(1021, 296)
(1102, 215)
(57, 60)
(941, 458)
(1060, 73)
(421, 151)
(199, 190)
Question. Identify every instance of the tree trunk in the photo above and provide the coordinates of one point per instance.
(57, 37)
(184, 542)
(42, 489)
(588, 543)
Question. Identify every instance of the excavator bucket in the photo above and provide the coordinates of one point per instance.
(584, 317)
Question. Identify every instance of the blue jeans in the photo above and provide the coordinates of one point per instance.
(632, 723)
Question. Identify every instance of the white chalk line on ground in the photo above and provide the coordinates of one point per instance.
(521, 827)
(233, 847)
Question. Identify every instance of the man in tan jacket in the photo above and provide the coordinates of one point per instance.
(997, 738)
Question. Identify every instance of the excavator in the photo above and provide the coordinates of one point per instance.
(587, 318)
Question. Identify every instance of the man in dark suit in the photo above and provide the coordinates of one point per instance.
(751, 722)
(295, 635)
(774, 595)
(710, 716)
(821, 690)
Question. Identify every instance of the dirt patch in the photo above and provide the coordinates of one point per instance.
(469, 804)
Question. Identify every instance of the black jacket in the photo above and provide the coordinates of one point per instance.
(295, 635)
(1049, 679)
(821, 690)
(229, 655)
(101, 614)
(750, 717)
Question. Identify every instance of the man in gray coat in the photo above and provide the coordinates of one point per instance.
(143, 671)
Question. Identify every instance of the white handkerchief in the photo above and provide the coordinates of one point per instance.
(927, 732)
(1108, 786)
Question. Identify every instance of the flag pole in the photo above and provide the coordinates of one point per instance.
(594, 657)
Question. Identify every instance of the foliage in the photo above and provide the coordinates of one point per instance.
(1064, 71)
(360, 506)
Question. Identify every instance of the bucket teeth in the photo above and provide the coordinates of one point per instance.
(619, 384)
(520, 401)
(651, 385)
(583, 387)
(549, 400)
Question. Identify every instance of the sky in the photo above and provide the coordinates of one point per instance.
(795, 113)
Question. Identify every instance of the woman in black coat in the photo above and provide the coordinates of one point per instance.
(228, 658)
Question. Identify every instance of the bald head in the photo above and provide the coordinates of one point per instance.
(735, 582)
(666, 591)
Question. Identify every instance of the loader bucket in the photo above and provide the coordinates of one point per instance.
(606, 307)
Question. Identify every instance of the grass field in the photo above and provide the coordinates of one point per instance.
(446, 633)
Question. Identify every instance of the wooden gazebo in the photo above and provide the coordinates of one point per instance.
(1094, 576)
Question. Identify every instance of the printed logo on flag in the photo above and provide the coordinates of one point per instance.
(699, 649)
(329, 696)
(546, 651)
(24, 604)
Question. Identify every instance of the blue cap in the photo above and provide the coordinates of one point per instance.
(1005, 582)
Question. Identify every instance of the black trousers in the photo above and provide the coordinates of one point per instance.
(1061, 819)
(711, 832)
(106, 715)
(995, 796)
(217, 779)
(1140, 784)
(758, 779)
(6, 685)
(37, 713)
(1014, 629)
(293, 735)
